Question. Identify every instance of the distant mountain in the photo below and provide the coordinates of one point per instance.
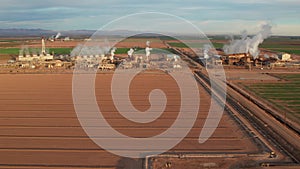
(87, 33)
(24, 32)
(42, 32)
(72, 33)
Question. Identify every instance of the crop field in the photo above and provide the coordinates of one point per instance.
(282, 44)
(277, 44)
(283, 95)
(122, 50)
(15, 51)
(9, 51)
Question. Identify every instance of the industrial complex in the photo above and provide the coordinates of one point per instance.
(39, 127)
(241, 53)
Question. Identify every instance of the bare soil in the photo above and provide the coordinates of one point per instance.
(39, 127)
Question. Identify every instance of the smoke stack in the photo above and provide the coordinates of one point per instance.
(43, 46)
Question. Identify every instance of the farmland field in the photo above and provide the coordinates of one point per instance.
(39, 127)
(15, 51)
(9, 51)
(283, 95)
(122, 50)
(282, 44)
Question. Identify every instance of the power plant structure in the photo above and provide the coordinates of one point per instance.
(29, 57)
(142, 59)
(38, 59)
(230, 55)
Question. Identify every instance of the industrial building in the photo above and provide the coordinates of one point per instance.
(284, 57)
(29, 57)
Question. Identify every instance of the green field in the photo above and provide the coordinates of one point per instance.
(15, 51)
(292, 51)
(122, 50)
(288, 48)
(284, 95)
(9, 51)
(218, 45)
(279, 44)
(193, 45)
(282, 44)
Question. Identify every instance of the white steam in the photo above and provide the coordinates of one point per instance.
(82, 50)
(249, 44)
(148, 43)
(148, 50)
(130, 52)
(206, 49)
(266, 56)
(57, 35)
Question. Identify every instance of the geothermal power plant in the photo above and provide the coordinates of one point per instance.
(41, 128)
(242, 52)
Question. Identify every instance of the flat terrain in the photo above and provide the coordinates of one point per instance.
(39, 127)
(203, 163)
(283, 44)
(11, 47)
(282, 94)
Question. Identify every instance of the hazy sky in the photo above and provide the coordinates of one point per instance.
(211, 16)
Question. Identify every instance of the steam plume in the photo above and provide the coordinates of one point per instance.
(206, 47)
(130, 52)
(57, 35)
(148, 43)
(247, 44)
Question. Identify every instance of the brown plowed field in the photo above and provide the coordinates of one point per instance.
(39, 127)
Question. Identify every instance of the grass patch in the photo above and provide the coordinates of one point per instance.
(285, 99)
(15, 51)
(288, 76)
(218, 45)
(291, 51)
(9, 51)
(122, 50)
(282, 44)
(285, 96)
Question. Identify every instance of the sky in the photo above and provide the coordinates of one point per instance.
(210, 16)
